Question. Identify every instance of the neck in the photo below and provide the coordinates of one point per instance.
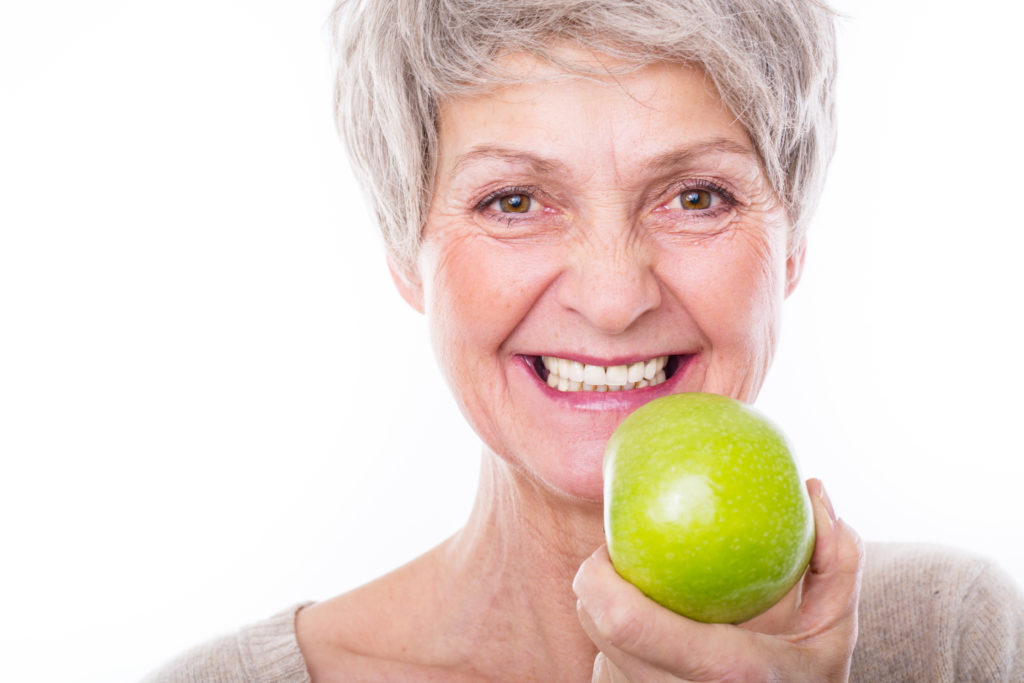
(517, 557)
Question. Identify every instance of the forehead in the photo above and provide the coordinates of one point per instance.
(598, 110)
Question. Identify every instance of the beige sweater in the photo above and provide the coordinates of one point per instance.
(926, 614)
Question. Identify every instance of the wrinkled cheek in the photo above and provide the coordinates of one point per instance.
(741, 318)
(469, 313)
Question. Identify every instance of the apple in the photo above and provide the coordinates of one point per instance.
(705, 511)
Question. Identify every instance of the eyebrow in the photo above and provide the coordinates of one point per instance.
(682, 156)
(537, 164)
(671, 159)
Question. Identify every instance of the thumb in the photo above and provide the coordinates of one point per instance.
(832, 583)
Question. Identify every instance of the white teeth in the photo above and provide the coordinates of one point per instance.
(576, 371)
(593, 374)
(650, 369)
(616, 375)
(635, 372)
(570, 375)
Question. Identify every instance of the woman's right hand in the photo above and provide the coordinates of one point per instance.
(808, 636)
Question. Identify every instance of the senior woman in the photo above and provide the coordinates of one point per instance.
(566, 186)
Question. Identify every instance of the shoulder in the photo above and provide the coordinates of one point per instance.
(264, 651)
(934, 613)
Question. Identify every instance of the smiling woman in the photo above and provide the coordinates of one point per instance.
(602, 166)
(595, 205)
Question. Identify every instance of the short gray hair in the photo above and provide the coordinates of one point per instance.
(772, 61)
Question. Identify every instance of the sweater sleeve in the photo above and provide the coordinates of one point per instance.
(929, 613)
(991, 645)
(264, 652)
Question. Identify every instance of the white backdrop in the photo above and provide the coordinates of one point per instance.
(212, 403)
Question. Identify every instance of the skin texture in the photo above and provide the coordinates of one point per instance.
(605, 266)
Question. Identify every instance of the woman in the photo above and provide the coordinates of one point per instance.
(566, 187)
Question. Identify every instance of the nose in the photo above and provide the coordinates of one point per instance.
(610, 283)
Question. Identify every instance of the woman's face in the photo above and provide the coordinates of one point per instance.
(592, 244)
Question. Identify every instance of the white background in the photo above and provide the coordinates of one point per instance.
(214, 405)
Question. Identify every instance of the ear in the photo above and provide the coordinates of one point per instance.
(795, 265)
(407, 280)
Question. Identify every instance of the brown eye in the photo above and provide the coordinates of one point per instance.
(695, 199)
(515, 203)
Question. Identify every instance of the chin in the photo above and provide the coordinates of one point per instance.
(573, 473)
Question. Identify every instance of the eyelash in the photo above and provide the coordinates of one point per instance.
(526, 190)
(728, 200)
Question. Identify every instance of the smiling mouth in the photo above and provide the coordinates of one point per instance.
(570, 375)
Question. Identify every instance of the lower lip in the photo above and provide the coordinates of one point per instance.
(625, 400)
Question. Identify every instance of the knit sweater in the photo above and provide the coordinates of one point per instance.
(926, 614)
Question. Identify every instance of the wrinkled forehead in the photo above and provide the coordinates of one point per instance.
(607, 111)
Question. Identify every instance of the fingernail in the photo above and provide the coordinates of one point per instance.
(827, 503)
(581, 586)
(578, 580)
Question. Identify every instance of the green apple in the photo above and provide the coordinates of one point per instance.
(705, 511)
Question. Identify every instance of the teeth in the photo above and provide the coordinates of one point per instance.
(570, 375)
(651, 368)
(635, 372)
(576, 371)
(616, 375)
(593, 374)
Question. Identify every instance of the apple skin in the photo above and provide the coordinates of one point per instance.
(704, 509)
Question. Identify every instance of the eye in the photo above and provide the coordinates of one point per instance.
(694, 200)
(514, 203)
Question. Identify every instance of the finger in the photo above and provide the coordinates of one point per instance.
(613, 665)
(605, 671)
(602, 671)
(832, 584)
(619, 618)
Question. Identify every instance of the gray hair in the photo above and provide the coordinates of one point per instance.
(772, 61)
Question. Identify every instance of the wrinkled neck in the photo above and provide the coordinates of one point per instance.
(516, 559)
(520, 524)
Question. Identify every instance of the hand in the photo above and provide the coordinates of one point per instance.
(808, 636)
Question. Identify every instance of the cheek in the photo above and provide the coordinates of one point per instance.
(736, 289)
(479, 291)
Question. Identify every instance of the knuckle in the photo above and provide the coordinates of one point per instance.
(622, 627)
